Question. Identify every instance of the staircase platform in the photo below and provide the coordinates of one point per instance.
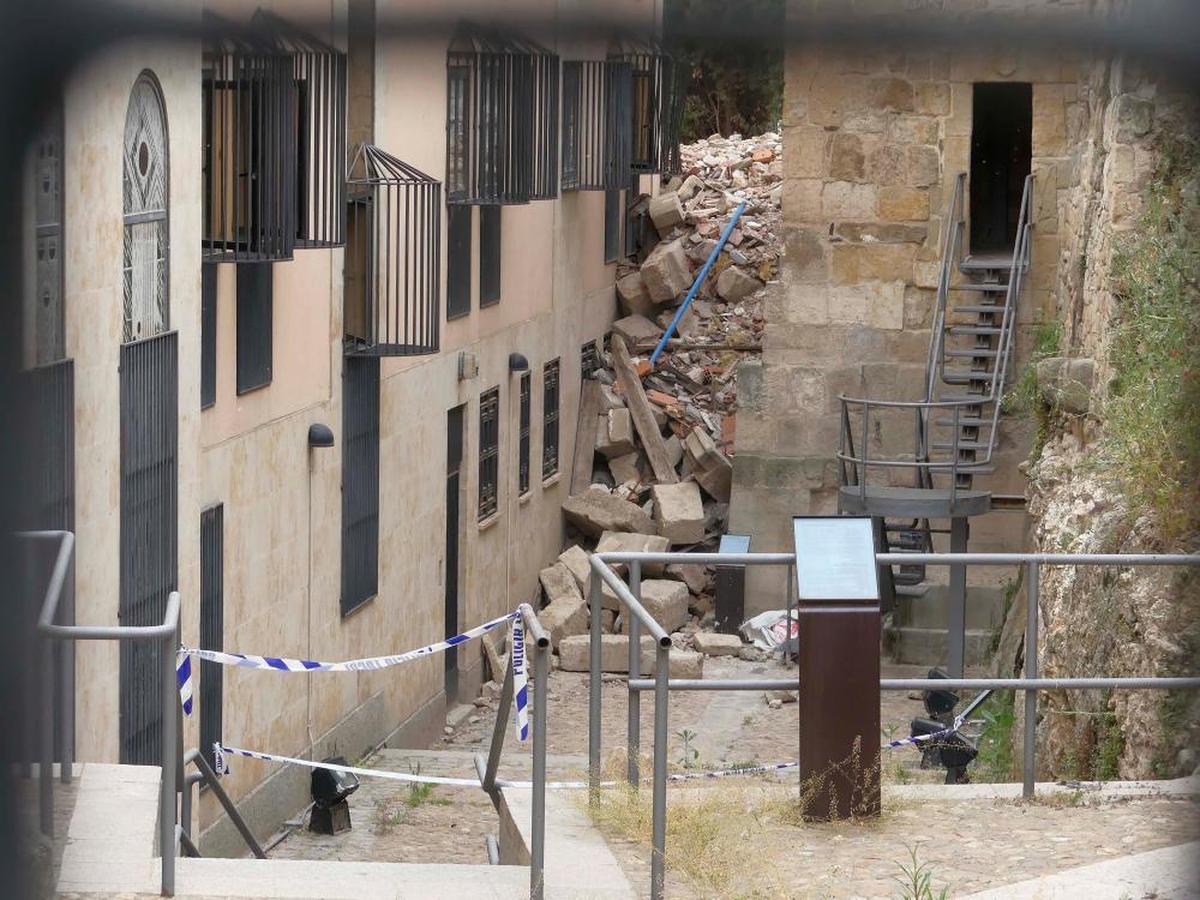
(913, 503)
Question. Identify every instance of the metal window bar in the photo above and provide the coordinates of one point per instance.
(249, 156)
(661, 684)
(550, 410)
(523, 435)
(589, 359)
(360, 481)
(255, 325)
(502, 134)
(489, 451)
(658, 86)
(212, 622)
(149, 391)
(393, 258)
(596, 106)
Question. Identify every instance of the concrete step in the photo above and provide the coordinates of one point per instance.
(985, 608)
(928, 646)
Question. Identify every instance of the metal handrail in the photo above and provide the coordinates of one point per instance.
(167, 633)
(951, 243)
(209, 777)
(662, 684)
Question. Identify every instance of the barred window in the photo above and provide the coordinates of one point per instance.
(589, 359)
(145, 191)
(596, 124)
(550, 419)
(360, 481)
(489, 451)
(255, 321)
(523, 447)
(657, 95)
(489, 255)
(208, 335)
(458, 261)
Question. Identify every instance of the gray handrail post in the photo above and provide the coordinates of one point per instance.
(595, 599)
(170, 761)
(197, 758)
(541, 686)
(66, 708)
(44, 655)
(1032, 601)
(499, 729)
(662, 663)
(633, 736)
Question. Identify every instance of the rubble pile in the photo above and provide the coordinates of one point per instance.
(658, 474)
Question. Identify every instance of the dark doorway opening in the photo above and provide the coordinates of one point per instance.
(1001, 133)
(454, 454)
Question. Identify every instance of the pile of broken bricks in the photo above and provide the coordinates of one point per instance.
(655, 474)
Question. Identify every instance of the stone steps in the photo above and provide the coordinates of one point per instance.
(928, 646)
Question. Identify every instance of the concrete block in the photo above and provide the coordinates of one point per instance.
(614, 433)
(695, 577)
(645, 541)
(903, 204)
(564, 617)
(575, 558)
(625, 468)
(666, 601)
(690, 187)
(674, 450)
(559, 584)
(632, 296)
(679, 512)
(733, 284)
(666, 211)
(666, 272)
(573, 652)
(609, 398)
(1066, 383)
(637, 329)
(711, 468)
(595, 512)
(711, 644)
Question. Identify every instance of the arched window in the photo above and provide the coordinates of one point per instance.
(147, 311)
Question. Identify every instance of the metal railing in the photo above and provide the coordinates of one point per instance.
(166, 634)
(661, 684)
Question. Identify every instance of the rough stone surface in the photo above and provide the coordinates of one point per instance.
(594, 513)
(1066, 383)
(614, 433)
(632, 296)
(575, 558)
(625, 468)
(666, 272)
(559, 584)
(679, 512)
(573, 652)
(666, 601)
(694, 576)
(629, 542)
(712, 469)
(563, 618)
(712, 644)
(666, 211)
(637, 329)
(733, 284)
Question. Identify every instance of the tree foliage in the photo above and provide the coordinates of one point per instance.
(733, 86)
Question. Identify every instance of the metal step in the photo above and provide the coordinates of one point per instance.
(964, 376)
(989, 287)
(975, 352)
(962, 445)
(991, 262)
(965, 469)
(912, 590)
(973, 399)
(964, 422)
(996, 308)
(974, 329)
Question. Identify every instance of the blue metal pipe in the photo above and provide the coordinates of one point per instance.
(691, 295)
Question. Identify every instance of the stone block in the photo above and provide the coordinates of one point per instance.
(625, 468)
(595, 512)
(886, 164)
(575, 558)
(610, 399)
(913, 129)
(674, 450)
(711, 468)
(903, 204)
(802, 199)
(614, 433)
(558, 583)
(1066, 383)
(574, 652)
(846, 200)
(733, 284)
(645, 541)
(846, 159)
(922, 166)
(691, 186)
(933, 98)
(881, 232)
(679, 512)
(856, 263)
(636, 329)
(878, 305)
(666, 211)
(891, 93)
(666, 272)
(696, 577)
(666, 601)
(1135, 117)
(564, 618)
(711, 644)
(632, 295)
(680, 663)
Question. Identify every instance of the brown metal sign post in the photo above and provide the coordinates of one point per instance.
(838, 590)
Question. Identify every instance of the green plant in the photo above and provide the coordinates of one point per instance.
(1024, 398)
(689, 755)
(995, 759)
(916, 879)
(387, 817)
(1109, 747)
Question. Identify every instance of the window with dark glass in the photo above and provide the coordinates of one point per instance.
(589, 359)
(212, 620)
(550, 419)
(658, 86)
(596, 124)
(523, 437)
(489, 452)
(208, 335)
(360, 481)
(612, 226)
(255, 299)
(489, 255)
(458, 261)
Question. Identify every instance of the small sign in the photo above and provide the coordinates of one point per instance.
(835, 558)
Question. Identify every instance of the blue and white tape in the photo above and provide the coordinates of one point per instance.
(520, 678)
(183, 678)
(290, 664)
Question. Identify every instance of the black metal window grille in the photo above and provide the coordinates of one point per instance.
(489, 452)
(489, 255)
(658, 87)
(250, 142)
(458, 261)
(319, 71)
(589, 359)
(212, 620)
(208, 335)
(255, 302)
(393, 257)
(523, 437)
(612, 225)
(149, 392)
(550, 419)
(360, 481)
(47, 171)
(501, 119)
(145, 190)
(596, 107)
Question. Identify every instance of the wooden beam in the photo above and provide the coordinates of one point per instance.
(639, 410)
(585, 436)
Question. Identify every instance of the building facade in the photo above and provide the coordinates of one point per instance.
(224, 279)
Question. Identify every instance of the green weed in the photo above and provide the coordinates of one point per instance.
(916, 879)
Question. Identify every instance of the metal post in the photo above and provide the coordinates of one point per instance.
(662, 663)
(783, 648)
(166, 811)
(44, 656)
(1032, 592)
(956, 624)
(537, 851)
(633, 736)
(595, 599)
(499, 730)
(66, 701)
